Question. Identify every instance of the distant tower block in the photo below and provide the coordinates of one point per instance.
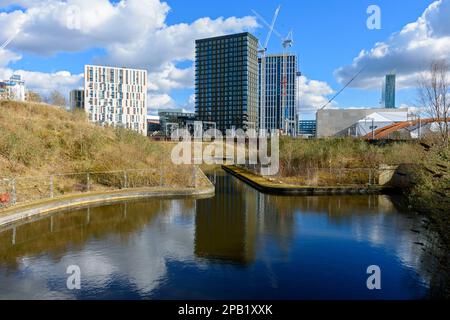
(388, 93)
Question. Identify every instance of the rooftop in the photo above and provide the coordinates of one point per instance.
(228, 36)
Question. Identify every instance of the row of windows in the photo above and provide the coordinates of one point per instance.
(115, 87)
(116, 75)
(141, 97)
(221, 94)
(215, 84)
(209, 55)
(214, 64)
(113, 110)
(220, 91)
(220, 74)
(116, 118)
(228, 40)
(220, 55)
(118, 102)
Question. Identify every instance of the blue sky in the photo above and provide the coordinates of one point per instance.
(328, 35)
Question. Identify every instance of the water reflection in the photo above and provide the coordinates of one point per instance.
(239, 244)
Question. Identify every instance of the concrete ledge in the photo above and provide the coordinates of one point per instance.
(26, 211)
(262, 184)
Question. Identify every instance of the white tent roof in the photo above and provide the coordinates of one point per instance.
(386, 117)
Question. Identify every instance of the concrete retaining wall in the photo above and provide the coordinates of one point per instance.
(263, 185)
(22, 212)
(400, 176)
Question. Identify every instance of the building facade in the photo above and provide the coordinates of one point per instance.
(278, 107)
(76, 100)
(116, 97)
(170, 118)
(13, 89)
(226, 81)
(388, 92)
(307, 128)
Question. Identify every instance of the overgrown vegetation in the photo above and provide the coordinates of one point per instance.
(338, 156)
(430, 197)
(38, 140)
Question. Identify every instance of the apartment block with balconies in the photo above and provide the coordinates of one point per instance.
(116, 97)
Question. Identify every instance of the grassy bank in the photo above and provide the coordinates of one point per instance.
(296, 154)
(40, 140)
(430, 197)
(340, 161)
(430, 194)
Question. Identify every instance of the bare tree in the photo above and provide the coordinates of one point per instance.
(434, 96)
(57, 99)
(33, 96)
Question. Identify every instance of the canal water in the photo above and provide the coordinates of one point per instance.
(241, 244)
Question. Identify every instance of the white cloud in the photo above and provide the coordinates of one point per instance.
(7, 57)
(191, 102)
(171, 77)
(408, 52)
(313, 94)
(133, 33)
(46, 26)
(176, 42)
(160, 101)
(45, 83)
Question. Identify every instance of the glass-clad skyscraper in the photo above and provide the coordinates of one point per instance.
(388, 94)
(226, 81)
(278, 108)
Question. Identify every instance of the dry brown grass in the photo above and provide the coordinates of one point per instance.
(297, 155)
(40, 140)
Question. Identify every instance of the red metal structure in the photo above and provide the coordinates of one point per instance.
(385, 131)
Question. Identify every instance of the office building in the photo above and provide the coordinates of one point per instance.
(13, 89)
(169, 119)
(226, 81)
(388, 92)
(116, 97)
(76, 100)
(278, 108)
(307, 128)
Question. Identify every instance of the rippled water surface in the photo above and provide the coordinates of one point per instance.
(239, 244)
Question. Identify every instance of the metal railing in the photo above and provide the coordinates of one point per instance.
(21, 190)
(329, 176)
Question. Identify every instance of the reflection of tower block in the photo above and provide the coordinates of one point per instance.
(198, 129)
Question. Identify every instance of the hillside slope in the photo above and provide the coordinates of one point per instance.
(38, 139)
